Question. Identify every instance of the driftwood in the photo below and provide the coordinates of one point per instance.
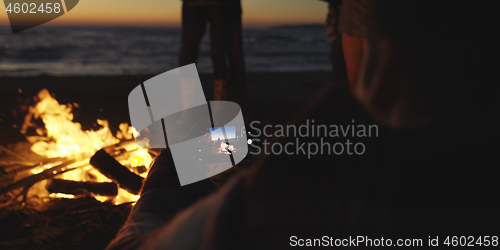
(10, 152)
(111, 148)
(18, 166)
(26, 183)
(29, 181)
(115, 171)
(79, 188)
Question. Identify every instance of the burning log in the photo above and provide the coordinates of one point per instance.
(82, 188)
(19, 166)
(10, 152)
(111, 148)
(29, 181)
(115, 171)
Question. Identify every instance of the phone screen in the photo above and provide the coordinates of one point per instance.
(228, 134)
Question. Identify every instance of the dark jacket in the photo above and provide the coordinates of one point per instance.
(211, 2)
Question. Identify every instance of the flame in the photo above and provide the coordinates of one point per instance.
(59, 195)
(63, 138)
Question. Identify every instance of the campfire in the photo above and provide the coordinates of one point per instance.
(74, 187)
(74, 163)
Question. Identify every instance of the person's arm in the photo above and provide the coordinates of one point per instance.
(161, 199)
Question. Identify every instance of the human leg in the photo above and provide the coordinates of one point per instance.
(218, 45)
(235, 52)
(194, 23)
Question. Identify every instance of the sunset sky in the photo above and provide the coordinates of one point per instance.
(256, 13)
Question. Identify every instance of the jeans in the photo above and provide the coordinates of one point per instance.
(226, 42)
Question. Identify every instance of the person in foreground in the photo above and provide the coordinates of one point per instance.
(428, 81)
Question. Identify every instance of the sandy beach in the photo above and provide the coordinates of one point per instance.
(365, 124)
(272, 97)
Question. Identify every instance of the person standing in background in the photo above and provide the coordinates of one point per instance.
(226, 40)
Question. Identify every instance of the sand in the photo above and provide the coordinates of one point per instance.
(272, 97)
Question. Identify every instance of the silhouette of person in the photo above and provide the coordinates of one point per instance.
(224, 17)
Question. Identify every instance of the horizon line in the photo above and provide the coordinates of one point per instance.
(114, 25)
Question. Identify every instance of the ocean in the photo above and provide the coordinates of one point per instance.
(75, 51)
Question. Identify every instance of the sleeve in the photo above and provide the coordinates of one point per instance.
(154, 209)
(163, 217)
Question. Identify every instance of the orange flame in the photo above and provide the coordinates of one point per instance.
(63, 138)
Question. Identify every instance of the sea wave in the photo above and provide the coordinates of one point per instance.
(72, 51)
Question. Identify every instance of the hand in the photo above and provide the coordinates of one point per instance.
(162, 173)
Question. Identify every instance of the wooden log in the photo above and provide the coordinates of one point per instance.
(115, 171)
(79, 187)
(15, 166)
(111, 148)
(29, 181)
(8, 151)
